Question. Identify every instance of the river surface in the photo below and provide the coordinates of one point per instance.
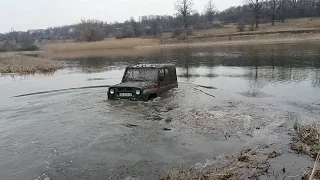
(259, 92)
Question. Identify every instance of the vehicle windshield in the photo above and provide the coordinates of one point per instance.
(141, 75)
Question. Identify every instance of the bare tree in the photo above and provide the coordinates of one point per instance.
(2, 37)
(13, 35)
(210, 11)
(155, 27)
(184, 9)
(294, 3)
(274, 7)
(91, 30)
(316, 5)
(25, 39)
(256, 8)
(241, 25)
(135, 27)
(284, 5)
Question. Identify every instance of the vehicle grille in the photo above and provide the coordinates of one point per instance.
(125, 89)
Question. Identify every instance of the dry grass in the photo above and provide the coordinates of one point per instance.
(69, 50)
(290, 24)
(250, 164)
(292, 31)
(100, 53)
(109, 47)
(224, 36)
(109, 44)
(293, 24)
(307, 139)
(244, 40)
(315, 168)
(13, 63)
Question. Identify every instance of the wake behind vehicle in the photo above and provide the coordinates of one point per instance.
(143, 82)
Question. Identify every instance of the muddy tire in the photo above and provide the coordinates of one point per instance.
(152, 96)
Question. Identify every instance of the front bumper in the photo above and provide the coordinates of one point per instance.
(111, 97)
(133, 97)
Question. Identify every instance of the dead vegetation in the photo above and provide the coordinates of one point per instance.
(294, 30)
(109, 44)
(14, 63)
(306, 139)
(249, 164)
(108, 47)
(236, 40)
(289, 25)
(99, 53)
(313, 173)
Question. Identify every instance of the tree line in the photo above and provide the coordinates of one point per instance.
(270, 11)
(253, 12)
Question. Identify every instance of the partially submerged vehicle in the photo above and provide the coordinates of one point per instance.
(143, 82)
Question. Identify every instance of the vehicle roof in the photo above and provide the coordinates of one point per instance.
(152, 66)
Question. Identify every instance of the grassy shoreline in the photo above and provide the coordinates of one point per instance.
(140, 47)
(42, 61)
(17, 63)
(293, 31)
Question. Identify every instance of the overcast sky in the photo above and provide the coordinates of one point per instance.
(41, 14)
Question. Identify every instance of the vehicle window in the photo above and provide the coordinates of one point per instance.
(161, 72)
(167, 74)
(141, 75)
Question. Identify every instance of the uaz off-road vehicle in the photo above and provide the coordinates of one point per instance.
(143, 82)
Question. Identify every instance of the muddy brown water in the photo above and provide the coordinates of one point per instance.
(58, 129)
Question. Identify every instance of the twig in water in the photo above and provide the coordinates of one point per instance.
(305, 172)
(290, 169)
(205, 92)
(315, 167)
(207, 87)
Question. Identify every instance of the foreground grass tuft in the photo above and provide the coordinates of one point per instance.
(306, 139)
(250, 164)
(24, 64)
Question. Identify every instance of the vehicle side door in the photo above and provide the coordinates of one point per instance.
(167, 79)
(163, 82)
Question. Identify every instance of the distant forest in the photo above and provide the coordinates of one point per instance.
(251, 13)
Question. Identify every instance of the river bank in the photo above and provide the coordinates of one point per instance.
(24, 64)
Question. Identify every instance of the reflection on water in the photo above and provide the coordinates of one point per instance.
(256, 71)
(259, 65)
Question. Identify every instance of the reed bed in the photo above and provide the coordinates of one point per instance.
(109, 44)
(14, 63)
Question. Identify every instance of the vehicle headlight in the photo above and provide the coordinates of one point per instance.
(111, 91)
(138, 92)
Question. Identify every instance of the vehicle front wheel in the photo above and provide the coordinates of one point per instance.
(152, 96)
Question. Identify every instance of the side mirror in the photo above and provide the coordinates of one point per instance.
(161, 78)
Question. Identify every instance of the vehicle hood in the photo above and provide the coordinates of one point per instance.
(142, 85)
